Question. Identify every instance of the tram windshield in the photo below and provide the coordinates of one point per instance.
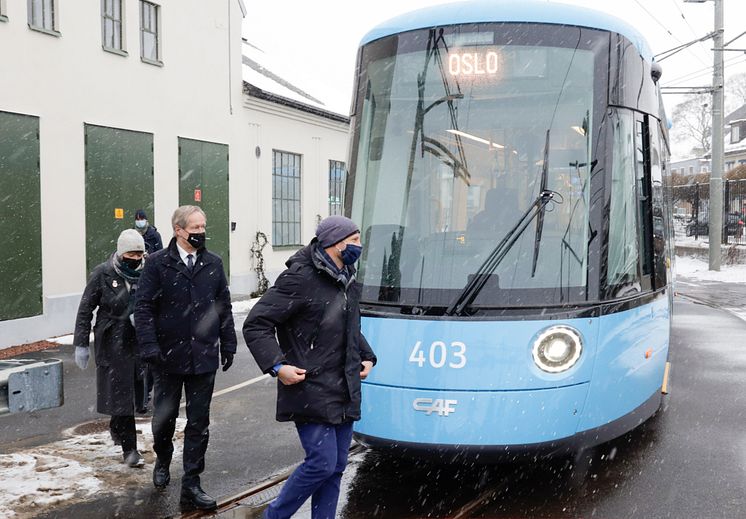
(455, 131)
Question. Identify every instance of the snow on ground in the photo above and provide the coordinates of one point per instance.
(695, 268)
(72, 469)
(697, 271)
(243, 307)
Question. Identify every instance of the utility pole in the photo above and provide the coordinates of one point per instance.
(716, 172)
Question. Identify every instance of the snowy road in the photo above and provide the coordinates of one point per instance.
(688, 462)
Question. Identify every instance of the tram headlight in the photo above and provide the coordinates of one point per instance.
(557, 349)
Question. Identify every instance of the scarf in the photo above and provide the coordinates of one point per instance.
(131, 278)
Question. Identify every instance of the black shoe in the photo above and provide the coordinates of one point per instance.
(161, 475)
(194, 496)
(133, 458)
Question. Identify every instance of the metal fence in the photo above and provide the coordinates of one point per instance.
(691, 205)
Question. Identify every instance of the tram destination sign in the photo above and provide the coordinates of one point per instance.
(477, 61)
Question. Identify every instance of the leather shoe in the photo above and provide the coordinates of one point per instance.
(161, 475)
(194, 496)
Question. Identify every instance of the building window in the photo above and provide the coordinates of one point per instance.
(691, 170)
(729, 165)
(285, 199)
(336, 186)
(111, 20)
(42, 16)
(735, 134)
(150, 45)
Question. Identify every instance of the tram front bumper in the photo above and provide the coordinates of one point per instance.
(470, 418)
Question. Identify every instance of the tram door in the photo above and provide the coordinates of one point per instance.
(203, 181)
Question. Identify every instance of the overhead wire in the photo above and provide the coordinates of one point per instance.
(703, 71)
(675, 50)
(666, 28)
(691, 29)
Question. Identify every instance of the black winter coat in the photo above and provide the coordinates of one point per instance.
(185, 316)
(152, 239)
(118, 370)
(317, 320)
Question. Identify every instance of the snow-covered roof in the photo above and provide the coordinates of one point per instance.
(269, 79)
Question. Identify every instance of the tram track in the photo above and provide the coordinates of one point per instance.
(267, 486)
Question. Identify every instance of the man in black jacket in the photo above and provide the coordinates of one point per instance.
(149, 233)
(184, 324)
(313, 308)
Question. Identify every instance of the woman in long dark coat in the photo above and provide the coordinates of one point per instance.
(119, 381)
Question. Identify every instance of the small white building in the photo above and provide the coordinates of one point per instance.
(110, 106)
(304, 147)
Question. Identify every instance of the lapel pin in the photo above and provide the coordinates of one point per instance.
(114, 283)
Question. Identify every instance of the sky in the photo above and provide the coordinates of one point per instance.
(315, 43)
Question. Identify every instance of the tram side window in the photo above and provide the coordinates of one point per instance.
(623, 276)
(660, 230)
(644, 220)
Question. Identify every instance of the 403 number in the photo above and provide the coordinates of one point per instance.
(439, 354)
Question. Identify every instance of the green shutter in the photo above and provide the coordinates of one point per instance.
(119, 176)
(20, 212)
(203, 173)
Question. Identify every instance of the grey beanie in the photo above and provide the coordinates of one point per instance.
(130, 240)
(334, 229)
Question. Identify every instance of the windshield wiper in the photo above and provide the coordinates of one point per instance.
(540, 217)
(481, 276)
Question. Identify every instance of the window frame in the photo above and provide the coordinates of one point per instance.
(122, 50)
(53, 5)
(337, 187)
(735, 134)
(158, 61)
(643, 187)
(280, 160)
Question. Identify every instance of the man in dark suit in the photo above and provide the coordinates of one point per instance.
(184, 328)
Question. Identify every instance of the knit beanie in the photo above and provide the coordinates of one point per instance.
(129, 241)
(334, 229)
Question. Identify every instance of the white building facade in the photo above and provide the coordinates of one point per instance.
(109, 106)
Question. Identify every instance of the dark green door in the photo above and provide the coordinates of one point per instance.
(20, 213)
(118, 182)
(203, 181)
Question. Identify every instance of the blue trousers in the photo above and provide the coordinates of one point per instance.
(319, 475)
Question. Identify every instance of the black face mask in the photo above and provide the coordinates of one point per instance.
(197, 240)
(131, 263)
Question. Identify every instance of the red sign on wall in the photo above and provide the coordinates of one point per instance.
(197, 195)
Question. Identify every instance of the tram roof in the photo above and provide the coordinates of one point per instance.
(530, 11)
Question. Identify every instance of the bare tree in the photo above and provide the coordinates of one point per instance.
(735, 91)
(692, 121)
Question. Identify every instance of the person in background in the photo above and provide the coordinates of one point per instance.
(184, 329)
(149, 233)
(153, 243)
(119, 381)
(306, 332)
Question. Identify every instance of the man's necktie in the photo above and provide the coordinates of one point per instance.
(190, 262)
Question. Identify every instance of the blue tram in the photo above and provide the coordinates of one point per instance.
(507, 167)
